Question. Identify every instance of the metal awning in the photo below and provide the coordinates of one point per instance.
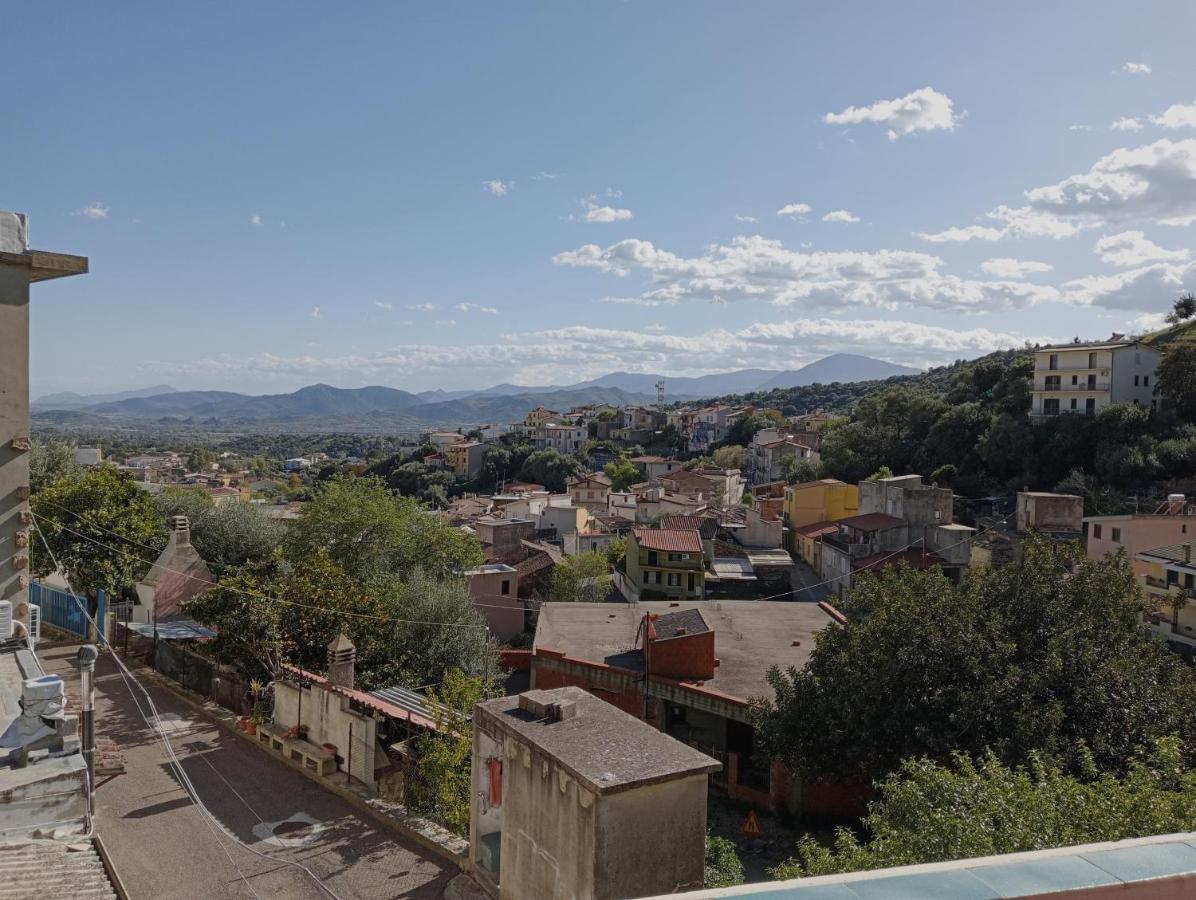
(407, 699)
(172, 630)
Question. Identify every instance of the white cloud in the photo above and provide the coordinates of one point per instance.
(422, 307)
(473, 307)
(922, 110)
(92, 211)
(747, 219)
(1126, 123)
(656, 328)
(756, 268)
(1079, 127)
(445, 323)
(1133, 248)
(1007, 267)
(316, 313)
(840, 215)
(1177, 115)
(1136, 68)
(545, 176)
(605, 214)
(794, 209)
(1147, 322)
(381, 305)
(1154, 183)
(1146, 287)
(580, 351)
(256, 220)
(498, 187)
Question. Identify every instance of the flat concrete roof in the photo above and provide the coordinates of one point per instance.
(600, 745)
(750, 636)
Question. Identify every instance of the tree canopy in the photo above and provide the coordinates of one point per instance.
(1022, 659)
(930, 812)
(226, 535)
(622, 474)
(99, 525)
(583, 578)
(367, 531)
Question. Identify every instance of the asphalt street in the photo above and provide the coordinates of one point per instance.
(163, 847)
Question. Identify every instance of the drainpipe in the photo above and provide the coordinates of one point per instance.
(87, 656)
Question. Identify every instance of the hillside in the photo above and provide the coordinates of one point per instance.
(71, 400)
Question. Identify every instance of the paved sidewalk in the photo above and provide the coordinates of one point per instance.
(163, 847)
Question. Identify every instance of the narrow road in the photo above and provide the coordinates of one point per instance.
(163, 847)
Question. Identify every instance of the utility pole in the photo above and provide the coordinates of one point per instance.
(87, 656)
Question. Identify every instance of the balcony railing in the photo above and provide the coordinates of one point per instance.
(1084, 387)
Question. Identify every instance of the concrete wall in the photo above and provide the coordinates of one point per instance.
(674, 814)
(504, 614)
(1053, 512)
(328, 719)
(14, 423)
(548, 848)
(1129, 362)
(51, 792)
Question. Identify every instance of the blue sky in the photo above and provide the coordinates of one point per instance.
(453, 195)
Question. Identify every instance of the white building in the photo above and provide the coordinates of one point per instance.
(1085, 379)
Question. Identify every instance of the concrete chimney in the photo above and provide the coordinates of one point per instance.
(1188, 554)
(341, 658)
(180, 531)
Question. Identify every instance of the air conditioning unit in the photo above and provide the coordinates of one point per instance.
(35, 624)
(5, 620)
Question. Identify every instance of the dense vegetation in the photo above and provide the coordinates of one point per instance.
(1044, 655)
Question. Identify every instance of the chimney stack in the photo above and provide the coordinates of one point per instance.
(1188, 554)
(341, 657)
(180, 531)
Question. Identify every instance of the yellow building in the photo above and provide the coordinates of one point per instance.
(809, 510)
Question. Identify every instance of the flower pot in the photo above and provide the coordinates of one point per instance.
(251, 727)
(331, 748)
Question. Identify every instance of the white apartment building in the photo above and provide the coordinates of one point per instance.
(1084, 379)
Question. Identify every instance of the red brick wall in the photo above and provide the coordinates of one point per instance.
(629, 698)
(685, 658)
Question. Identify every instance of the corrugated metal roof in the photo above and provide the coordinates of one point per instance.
(405, 698)
(53, 869)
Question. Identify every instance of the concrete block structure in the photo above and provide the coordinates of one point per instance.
(19, 268)
(1088, 378)
(571, 798)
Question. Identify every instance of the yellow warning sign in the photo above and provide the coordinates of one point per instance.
(751, 825)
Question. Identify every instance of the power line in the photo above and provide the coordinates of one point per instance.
(176, 766)
(258, 594)
(206, 581)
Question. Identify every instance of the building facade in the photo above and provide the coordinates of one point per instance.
(1085, 379)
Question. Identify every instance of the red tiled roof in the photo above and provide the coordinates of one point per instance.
(535, 562)
(915, 559)
(818, 529)
(648, 459)
(673, 541)
(871, 522)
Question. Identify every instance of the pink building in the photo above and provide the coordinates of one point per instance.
(494, 588)
(1174, 522)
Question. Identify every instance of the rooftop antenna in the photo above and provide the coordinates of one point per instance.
(660, 392)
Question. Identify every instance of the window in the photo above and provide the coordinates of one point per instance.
(1172, 576)
(1050, 407)
(1075, 379)
(1116, 535)
(1092, 382)
(653, 558)
(1051, 383)
(691, 581)
(506, 586)
(1092, 360)
(1090, 406)
(674, 579)
(678, 557)
(1145, 381)
(1073, 402)
(1053, 363)
(1096, 530)
(1135, 381)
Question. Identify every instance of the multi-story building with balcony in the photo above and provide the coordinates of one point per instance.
(666, 563)
(1084, 379)
(1170, 585)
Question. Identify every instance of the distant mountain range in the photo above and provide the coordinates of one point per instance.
(321, 407)
(70, 400)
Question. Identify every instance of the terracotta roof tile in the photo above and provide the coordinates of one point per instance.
(670, 541)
